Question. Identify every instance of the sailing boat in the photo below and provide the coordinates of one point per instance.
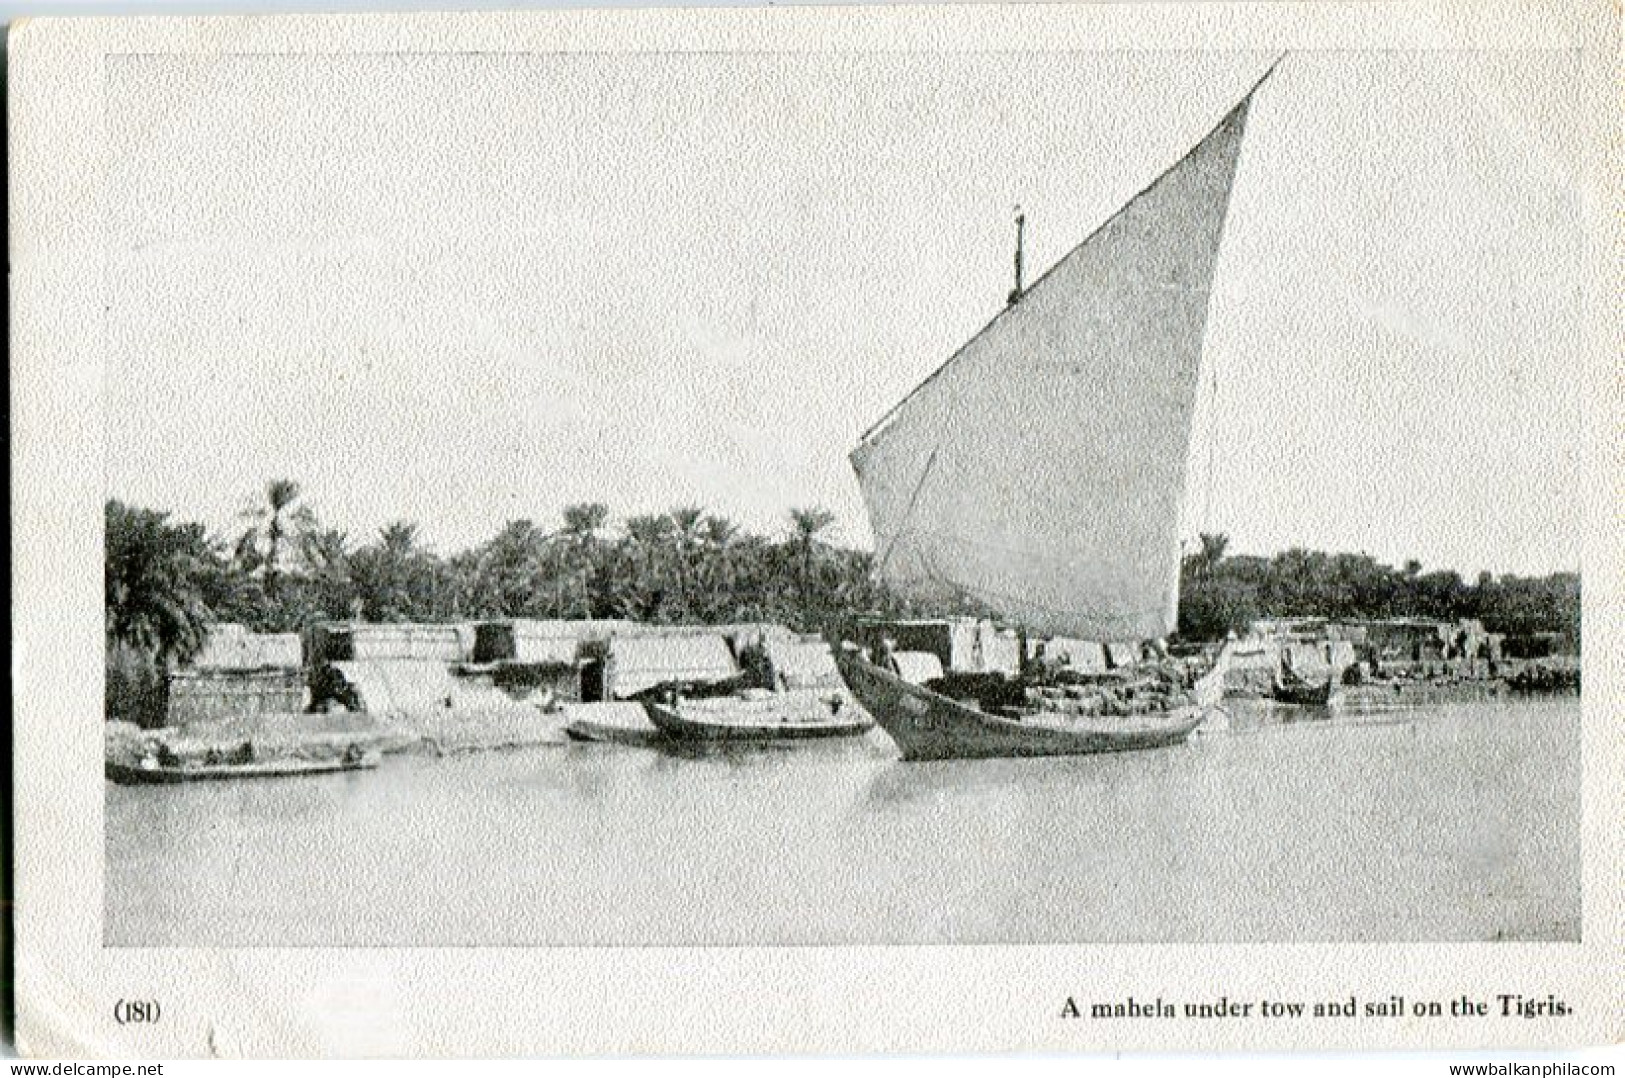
(1041, 473)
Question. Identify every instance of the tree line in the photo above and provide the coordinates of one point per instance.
(285, 570)
(1222, 593)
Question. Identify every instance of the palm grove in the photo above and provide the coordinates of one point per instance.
(286, 570)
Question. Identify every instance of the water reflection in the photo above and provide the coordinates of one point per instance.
(902, 783)
(770, 753)
(1251, 716)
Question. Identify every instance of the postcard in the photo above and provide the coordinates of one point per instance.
(867, 530)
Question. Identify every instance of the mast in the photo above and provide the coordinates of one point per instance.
(1021, 223)
(1015, 295)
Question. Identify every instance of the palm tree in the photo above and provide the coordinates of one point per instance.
(582, 523)
(808, 524)
(718, 532)
(648, 529)
(393, 577)
(281, 518)
(685, 522)
(154, 576)
(325, 549)
(1410, 587)
(399, 539)
(716, 578)
(510, 575)
(1214, 546)
(648, 547)
(326, 554)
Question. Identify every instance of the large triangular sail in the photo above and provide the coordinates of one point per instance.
(1041, 470)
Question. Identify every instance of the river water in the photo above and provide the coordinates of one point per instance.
(1459, 822)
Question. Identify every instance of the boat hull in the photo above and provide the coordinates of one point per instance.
(134, 775)
(611, 723)
(928, 726)
(1305, 695)
(686, 724)
(602, 733)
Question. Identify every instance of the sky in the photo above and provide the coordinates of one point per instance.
(462, 290)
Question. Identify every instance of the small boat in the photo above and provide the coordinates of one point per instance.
(150, 772)
(765, 716)
(594, 733)
(1304, 693)
(611, 724)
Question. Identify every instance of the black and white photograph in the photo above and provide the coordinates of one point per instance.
(790, 482)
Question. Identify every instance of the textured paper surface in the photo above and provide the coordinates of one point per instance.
(490, 1001)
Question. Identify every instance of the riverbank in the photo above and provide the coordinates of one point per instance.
(326, 736)
(1422, 684)
(492, 726)
(1377, 695)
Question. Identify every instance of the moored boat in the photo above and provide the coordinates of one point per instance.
(767, 716)
(590, 732)
(930, 726)
(150, 772)
(1304, 693)
(614, 723)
